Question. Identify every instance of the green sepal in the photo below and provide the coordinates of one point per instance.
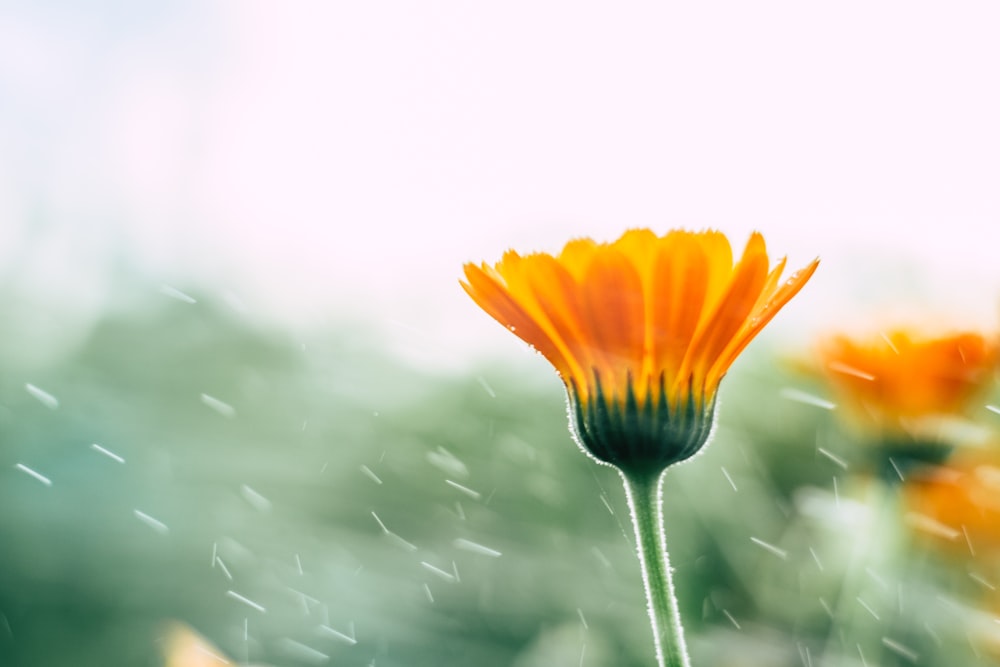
(641, 438)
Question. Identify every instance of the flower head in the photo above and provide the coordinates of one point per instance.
(897, 380)
(954, 512)
(641, 330)
(958, 507)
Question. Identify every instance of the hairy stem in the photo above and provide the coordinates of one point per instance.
(643, 493)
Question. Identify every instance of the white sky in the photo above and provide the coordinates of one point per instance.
(330, 158)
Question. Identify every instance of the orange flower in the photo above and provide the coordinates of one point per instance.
(640, 330)
(959, 506)
(897, 379)
(956, 512)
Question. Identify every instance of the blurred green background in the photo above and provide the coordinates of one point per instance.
(307, 500)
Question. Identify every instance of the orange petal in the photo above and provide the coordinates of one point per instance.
(679, 285)
(613, 303)
(720, 265)
(762, 314)
(639, 245)
(729, 315)
(493, 297)
(770, 285)
(557, 297)
(576, 257)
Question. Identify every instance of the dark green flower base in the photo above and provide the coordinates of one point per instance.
(642, 439)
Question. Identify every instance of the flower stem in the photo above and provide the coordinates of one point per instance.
(644, 501)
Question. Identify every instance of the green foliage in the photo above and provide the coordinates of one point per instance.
(437, 519)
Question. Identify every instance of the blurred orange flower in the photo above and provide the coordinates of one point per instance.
(895, 379)
(958, 506)
(640, 330)
(956, 510)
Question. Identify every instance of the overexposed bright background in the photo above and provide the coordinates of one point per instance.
(320, 161)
